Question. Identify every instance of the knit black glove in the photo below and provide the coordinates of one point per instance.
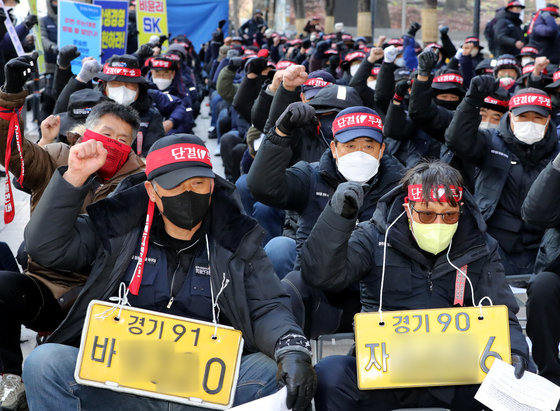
(30, 21)
(348, 199)
(256, 65)
(427, 60)
(401, 88)
(443, 30)
(53, 49)
(17, 71)
(414, 27)
(296, 372)
(520, 365)
(221, 23)
(66, 55)
(480, 88)
(235, 63)
(296, 115)
(144, 51)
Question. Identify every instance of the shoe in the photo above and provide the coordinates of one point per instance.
(12, 393)
(212, 133)
(217, 152)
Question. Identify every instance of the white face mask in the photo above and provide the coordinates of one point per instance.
(529, 132)
(527, 60)
(507, 82)
(399, 62)
(354, 69)
(357, 166)
(486, 125)
(121, 95)
(162, 83)
(371, 84)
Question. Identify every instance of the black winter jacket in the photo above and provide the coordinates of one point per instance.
(506, 32)
(337, 254)
(107, 238)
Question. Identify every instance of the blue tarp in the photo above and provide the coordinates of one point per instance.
(197, 19)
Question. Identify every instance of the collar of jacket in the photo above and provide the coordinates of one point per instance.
(125, 210)
(470, 232)
(529, 154)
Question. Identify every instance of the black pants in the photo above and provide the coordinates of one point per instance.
(232, 148)
(543, 323)
(23, 300)
(7, 260)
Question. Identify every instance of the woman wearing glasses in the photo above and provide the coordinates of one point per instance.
(422, 235)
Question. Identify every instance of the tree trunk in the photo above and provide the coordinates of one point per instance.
(234, 14)
(299, 8)
(364, 18)
(382, 18)
(430, 31)
(329, 16)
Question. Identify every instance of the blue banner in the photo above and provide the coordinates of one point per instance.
(114, 27)
(197, 19)
(80, 24)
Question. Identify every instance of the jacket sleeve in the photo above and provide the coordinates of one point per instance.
(334, 255)
(57, 236)
(225, 87)
(44, 35)
(271, 183)
(359, 83)
(448, 46)
(385, 87)
(61, 78)
(246, 95)
(261, 108)
(463, 136)
(494, 285)
(72, 86)
(425, 112)
(540, 207)
(546, 26)
(397, 124)
(467, 70)
(282, 99)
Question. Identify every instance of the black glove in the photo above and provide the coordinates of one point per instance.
(53, 49)
(480, 88)
(144, 51)
(401, 88)
(66, 55)
(17, 71)
(296, 115)
(443, 30)
(347, 199)
(520, 365)
(414, 27)
(163, 38)
(297, 374)
(221, 23)
(235, 63)
(256, 65)
(30, 21)
(427, 60)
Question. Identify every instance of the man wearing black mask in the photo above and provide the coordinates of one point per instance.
(181, 243)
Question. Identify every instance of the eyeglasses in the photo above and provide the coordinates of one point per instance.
(428, 217)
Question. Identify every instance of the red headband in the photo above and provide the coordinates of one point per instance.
(375, 71)
(121, 71)
(357, 120)
(317, 82)
(177, 153)
(434, 46)
(472, 40)
(161, 63)
(283, 64)
(528, 68)
(551, 10)
(355, 55)
(530, 100)
(529, 49)
(506, 61)
(415, 193)
(495, 101)
(449, 78)
(556, 76)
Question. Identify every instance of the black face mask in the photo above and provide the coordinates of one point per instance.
(187, 209)
(55, 8)
(450, 105)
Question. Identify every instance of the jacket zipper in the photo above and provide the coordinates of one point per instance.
(173, 282)
(430, 282)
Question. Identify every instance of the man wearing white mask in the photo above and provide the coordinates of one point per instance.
(355, 154)
(509, 159)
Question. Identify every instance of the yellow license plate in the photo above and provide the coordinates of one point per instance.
(421, 348)
(160, 356)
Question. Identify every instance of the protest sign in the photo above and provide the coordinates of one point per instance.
(151, 19)
(114, 27)
(80, 24)
(12, 32)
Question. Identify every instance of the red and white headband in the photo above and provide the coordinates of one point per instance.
(495, 101)
(121, 71)
(317, 82)
(415, 193)
(357, 120)
(177, 153)
(530, 100)
(449, 78)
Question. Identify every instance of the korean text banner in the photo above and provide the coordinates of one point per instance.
(114, 27)
(80, 24)
(197, 19)
(151, 19)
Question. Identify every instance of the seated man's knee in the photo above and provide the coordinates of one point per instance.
(48, 361)
(544, 286)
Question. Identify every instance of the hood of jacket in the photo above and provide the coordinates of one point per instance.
(529, 154)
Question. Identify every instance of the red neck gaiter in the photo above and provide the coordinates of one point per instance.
(117, 154)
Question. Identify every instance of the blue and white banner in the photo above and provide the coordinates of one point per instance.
(114, 27)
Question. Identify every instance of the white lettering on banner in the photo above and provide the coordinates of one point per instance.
(449, 78)
(320, 194)
(358, 119)
(530, 99)
(188, 153)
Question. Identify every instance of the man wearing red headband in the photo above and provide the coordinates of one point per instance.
(41, 297)
(508, 33)
(509, 159)
(406, 257)
(544, 33)
(180, 245)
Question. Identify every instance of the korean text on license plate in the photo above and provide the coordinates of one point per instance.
(419, 348)
(158, 355)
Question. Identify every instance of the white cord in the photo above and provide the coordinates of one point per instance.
(383, 267)
(122, 300)
(215, 306)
